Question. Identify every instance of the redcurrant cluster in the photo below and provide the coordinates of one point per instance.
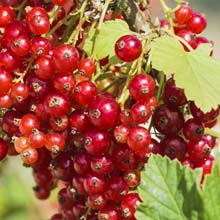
(71, 128)
(187, 25)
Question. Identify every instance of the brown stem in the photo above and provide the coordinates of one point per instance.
(133, 16)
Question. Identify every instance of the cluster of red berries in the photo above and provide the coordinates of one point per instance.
(66, 129)
(187, 25)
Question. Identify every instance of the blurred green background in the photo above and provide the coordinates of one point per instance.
(17, 201)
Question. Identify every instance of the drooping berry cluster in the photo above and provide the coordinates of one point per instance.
(92, 135)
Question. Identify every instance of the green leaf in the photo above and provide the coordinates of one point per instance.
(109, 33)
(211, 193)
(196, 72)
(171, 189)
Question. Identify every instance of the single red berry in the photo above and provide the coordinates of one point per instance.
(173, 95)
(19, 92)
(28, 123)
(193, 129)
(142, 87)
(102, 165)
(174, 147)
(65, 57)
(97, 201)
(40, 46)
(140, 112)
(86, 67)
(116, 189)
(60, 2)
(128, 48)
(81, 163)
(198, 150)
(189, 37)
(109, 212)
(121, 133)
(183, 14)
(165, 24)
(36, 139)
(5, 82)
(132, 178)
(56, 104)
(104, 112)
(54, 142)
(41, 193)
(96, 142)
(168, 120)
(197, 23)
(85, 92)
(64, 83)
(6, 16)
(94, 184)
(29, 155)
(138, 138)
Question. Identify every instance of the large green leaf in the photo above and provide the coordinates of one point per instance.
(196, 72)
(170, 189)
(211, 194)
(109, 33)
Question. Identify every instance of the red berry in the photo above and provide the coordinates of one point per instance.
(138, 138)
(174, 147)
(29, 155)
(85, 92)
(40, 46)
(104, 112)
(121, 133)
(94, 184)
(54, 142)
(96, 201)
(189, 37)
(96, 142)
(198, 150)
(60, 2)
(173, 95)
(81, 163)
(109, 212)
(5, 82)
(183, 14)
(116, 189)
(193, 129)
(56, 104)
(65, 57)
(197, 23)
(86, 67)
(168, 120)
(132, 178)
(128, 48)
(142, 87)
(28, 123)
(6, 16)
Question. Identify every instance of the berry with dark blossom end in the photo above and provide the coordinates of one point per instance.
(84, 92)
(189, 37)
(96, 142)
(86, 67)
(183, 14)
(138, 138)
(142, 87)
(97, 201)
(65, 57)
(56, 104)
(128, 48)
(116, 189)
(109, 212)
(94, 184)
(174, 147)
(173, 95)
(198, 150)
(104, 112)
(193, 129)
(168, 120)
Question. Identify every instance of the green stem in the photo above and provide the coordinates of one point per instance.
(75, 34)
(53, 14)
(125, 93)
(20, 9)
(212, 132)
(161, 85)
(98, 28)
(168, 12)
